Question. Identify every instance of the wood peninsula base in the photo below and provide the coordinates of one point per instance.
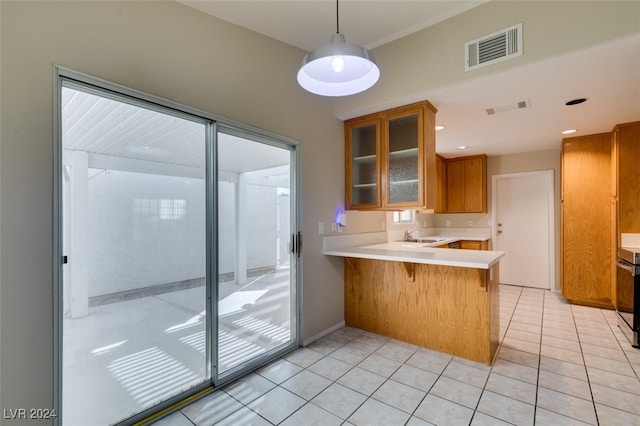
(446, 308)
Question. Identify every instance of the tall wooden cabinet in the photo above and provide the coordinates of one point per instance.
(390, 159)
(626, 139)
(586, 225)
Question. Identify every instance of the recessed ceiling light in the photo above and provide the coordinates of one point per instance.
(461, 147)
(439, 127)
(568, 131)
(575, 101)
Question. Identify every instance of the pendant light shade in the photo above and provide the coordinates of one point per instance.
(338, 68)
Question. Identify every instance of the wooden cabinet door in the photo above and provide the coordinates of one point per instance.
(403, 164)
(441, 185)
(475, 185)
(627, 137)
(474, 245)
(586, 226)
(362, 158)
(470, 245)
(466, 184)
(455, 186)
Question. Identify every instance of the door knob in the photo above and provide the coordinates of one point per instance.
(499, 231)
(499, 224)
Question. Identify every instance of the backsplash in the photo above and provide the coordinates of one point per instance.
(630, 240)
(394, 235)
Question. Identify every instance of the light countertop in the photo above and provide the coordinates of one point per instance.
(399, 251)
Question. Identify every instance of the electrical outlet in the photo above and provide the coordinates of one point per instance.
(320, 228)
(383, 225)
(447, 223)
(470, 222)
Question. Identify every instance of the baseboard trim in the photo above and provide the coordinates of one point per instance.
(323, 333)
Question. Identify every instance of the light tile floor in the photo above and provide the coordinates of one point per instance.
(558, 364)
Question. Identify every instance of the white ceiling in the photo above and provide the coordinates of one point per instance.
(608, 75)
(125, 136)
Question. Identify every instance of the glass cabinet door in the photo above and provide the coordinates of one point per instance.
(363, 181)
(403, 161)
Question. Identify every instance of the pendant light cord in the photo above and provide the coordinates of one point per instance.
(337, 19)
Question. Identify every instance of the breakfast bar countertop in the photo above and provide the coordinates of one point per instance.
(367, 246)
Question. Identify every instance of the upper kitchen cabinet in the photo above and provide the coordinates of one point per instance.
(586, 220)
(466, 184)
(441, 184)
(626, 138)
(390, 158)
(363, 156)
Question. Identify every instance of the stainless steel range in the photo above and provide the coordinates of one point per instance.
(628, 293)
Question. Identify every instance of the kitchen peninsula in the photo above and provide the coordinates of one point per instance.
(439, 298)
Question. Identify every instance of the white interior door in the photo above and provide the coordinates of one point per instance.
(523, 207)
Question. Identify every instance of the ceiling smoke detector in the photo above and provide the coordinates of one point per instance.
(508, 107)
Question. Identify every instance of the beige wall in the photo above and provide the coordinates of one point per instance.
(171, 51)
(434, 57)
(168, 50)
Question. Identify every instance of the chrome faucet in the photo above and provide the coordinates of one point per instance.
(408, 232)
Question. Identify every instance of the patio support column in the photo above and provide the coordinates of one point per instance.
(241, 229)
(77, 251)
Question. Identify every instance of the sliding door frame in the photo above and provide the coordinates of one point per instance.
(212, 122)
(295, 172)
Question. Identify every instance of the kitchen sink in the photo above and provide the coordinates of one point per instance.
(423, 240)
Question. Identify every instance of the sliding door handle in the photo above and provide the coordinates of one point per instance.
(296, 243)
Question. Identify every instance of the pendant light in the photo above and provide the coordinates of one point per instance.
(338, 68)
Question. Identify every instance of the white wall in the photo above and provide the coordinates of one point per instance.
(262, 226)
(129, 240)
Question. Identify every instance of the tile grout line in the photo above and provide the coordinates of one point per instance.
(584, 319)
(535, 405)
(587, 370)
(515, 306)
(626, 356)
(428, 392)
(338, 378)
(593, 401)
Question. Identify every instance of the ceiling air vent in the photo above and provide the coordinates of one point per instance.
(492, 48)
(508, 107)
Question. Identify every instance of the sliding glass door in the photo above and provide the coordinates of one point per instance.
(256, 258)
(176, 251)
(133, 289)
